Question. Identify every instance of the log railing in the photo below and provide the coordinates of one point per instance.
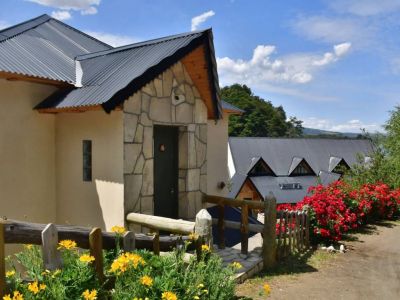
(293, 229)
(201, 228)
(268, 230)
(94, 239)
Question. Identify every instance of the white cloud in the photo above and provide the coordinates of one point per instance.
(61, 15)
(262, 67)
(348, 126)
(334, 29)
(366, 7)
(114, 40)
(86, 7)
(89, 11)
(198, 20)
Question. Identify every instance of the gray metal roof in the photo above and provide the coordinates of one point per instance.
(267, 184)
(283, 155)
(279, 153)
(111, 76)
(44, 47)
(228, 106)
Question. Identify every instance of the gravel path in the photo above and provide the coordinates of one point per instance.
(369, 270)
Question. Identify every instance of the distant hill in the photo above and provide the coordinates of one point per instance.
(311, 132)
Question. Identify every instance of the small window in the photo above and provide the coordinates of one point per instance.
(87, 160)
(261, 169)
(341, 167)
(303, 169)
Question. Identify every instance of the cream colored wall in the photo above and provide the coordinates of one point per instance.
(100, 202)
(27, 153)
(217, 156)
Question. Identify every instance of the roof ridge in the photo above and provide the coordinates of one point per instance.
(83, 33)
(138, 44)
(39, 21)
(45, 18)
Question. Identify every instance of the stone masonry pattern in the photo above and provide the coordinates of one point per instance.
(170, 99)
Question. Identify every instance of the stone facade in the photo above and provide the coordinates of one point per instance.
(170, 99)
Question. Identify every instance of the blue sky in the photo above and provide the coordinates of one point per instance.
(333, 64)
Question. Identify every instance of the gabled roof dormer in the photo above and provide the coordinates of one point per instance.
(258, 167)
(337, 165)
(300, 167)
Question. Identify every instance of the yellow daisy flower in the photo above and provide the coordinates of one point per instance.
(86, 258)
(89, 295)
(118, 229)
(10, 273)
(236, 265)
(146, 280)
(67, 244)
(267, 289)
(169, 296)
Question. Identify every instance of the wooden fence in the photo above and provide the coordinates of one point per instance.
(292, 232)
(267, 229)
(94, 239)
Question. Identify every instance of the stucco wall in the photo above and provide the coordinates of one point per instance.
(27, 162)
(170, 99)
(217, 156)
(100, 202)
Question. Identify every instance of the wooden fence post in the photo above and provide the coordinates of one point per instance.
(244, 229)
(156, 242)
(221, 226)
(307, 230)
(269, 239)
(286, 235)
(96, 250)
(51, 256)
(2, 260)
(128, 241)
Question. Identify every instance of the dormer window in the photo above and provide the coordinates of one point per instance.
(337, 165)
(300, 167)
(259, 167)
(341, 167)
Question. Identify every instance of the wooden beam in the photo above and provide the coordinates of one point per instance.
(269, 236)
(17, 232)
(160, 223)
(19, 77)
(236, 225)
(244, 229)
(233, 202)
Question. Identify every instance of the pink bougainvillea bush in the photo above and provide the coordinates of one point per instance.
(338, 208)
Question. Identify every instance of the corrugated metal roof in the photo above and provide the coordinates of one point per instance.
(44, 47)
(278, 153)
(106, 73)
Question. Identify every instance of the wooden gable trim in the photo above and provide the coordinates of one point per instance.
(248, 190)
(198, 68)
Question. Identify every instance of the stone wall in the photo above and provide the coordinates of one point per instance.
(170, 99)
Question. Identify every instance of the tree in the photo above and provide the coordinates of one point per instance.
(260, 118)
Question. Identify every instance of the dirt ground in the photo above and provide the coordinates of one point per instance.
(370, 269)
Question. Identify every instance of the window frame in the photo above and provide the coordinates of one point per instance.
(87, 160)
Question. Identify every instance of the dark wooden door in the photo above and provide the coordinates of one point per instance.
(166, 171)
